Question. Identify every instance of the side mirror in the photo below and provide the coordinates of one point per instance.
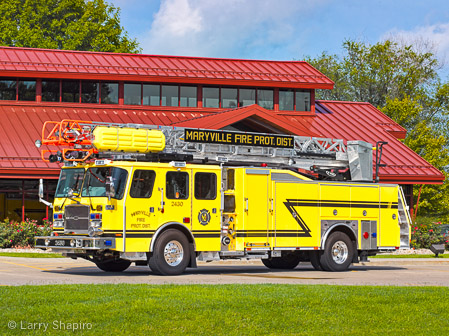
(41, 188)
(41, 194)
(110, 188)
(72, 193)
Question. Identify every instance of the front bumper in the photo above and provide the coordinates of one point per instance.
(72, 244)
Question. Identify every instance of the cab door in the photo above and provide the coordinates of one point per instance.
(175, 196)
(206, 224)
(142, 209)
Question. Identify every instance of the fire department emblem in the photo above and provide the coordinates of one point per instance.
(204, 217)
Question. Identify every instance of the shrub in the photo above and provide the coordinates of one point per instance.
(21, 234)
(425, 234)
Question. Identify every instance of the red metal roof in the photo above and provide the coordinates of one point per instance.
(229, 117)
(21, 126)
(21, 123)
(30, 62)
(342, 120)
(362, 121)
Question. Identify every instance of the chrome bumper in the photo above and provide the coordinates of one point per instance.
(74, 243)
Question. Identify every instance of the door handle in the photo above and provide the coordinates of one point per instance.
(161, 209)
(246, 201)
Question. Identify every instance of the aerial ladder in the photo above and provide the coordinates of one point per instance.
(78, 141)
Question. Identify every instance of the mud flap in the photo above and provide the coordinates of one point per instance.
(355, 257)
(192, 262)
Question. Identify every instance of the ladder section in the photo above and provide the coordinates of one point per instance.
(81, 140)
(404, 220)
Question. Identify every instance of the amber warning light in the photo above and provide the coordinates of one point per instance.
(238, 138)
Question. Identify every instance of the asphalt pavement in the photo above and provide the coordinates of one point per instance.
(382, 272)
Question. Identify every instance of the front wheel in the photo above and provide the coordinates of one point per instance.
(338, 253)
(288, 261)
(113, 265)
(170, 254)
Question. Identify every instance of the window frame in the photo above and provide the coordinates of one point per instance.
(187, 196)
(133, 180)
(214, 186)
(203, 98)
(15, 81)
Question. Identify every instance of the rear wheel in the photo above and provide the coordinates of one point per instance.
(113, 265)
(170, 254)
(338, 253)
(288, 261)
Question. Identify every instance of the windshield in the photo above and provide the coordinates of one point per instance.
(95, 181)
(69, 179)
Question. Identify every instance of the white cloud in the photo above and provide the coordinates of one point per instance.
(434, 37)
(218, 28)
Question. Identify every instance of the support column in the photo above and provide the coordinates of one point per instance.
(23, 200)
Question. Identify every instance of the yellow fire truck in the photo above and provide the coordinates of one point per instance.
(166, 197)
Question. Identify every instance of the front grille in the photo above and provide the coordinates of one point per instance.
(76, 217)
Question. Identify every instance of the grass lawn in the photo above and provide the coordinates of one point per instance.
(226, 309)
(30, 255)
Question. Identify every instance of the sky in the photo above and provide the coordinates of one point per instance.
(281, 29)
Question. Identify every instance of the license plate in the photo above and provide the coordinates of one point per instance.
(60, 242)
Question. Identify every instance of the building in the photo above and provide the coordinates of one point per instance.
(38, 85)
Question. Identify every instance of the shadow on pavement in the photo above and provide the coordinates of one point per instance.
(234, 270)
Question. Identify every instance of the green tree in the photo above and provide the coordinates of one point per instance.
(90, 25)
(402, 82)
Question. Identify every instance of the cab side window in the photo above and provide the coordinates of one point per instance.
(142, 184)
(177, 185)
(205, 186)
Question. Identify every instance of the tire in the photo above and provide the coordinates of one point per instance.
(171, 253)
(315, 260)
(113, 265)
(338, 253)
(289, 261)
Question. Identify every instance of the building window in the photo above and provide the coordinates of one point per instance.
(109, 93)
(187, 96)
(132, 94)
(265, 98)
(247, 97)
(27, 90)
(302, 100)
(211, 97)
(169, 95)
(89, 92)
(286, 100)
(71, 91)
(8, 89)
(205, 186)
(228, 97)
(151, 95)
(50, 90)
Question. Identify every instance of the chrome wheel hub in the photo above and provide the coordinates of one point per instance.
(173, 253)
(340, 252)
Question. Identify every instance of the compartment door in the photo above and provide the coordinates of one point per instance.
(256, 214)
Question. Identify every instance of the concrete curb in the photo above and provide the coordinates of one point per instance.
(405, 261)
